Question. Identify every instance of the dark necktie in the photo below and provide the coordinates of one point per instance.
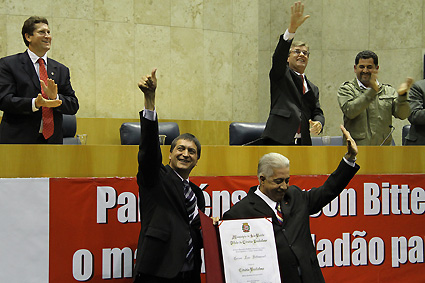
(47, 113)
(279, 214)
(192, 211)
(302, 79)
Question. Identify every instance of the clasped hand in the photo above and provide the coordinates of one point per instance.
(51, 91)
(404, 87)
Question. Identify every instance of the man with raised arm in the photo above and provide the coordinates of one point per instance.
(295, 109)
(290, 208)
(170, 239)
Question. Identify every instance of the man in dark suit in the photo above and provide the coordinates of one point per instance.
(416, 135)
(32, 98)
(170, 238)
(290, 209)
(295, 106)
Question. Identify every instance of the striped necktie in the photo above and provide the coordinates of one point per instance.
(279, 214)
(190, 200)
(47, 113)
(192, 212)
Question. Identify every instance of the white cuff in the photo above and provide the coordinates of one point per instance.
(288, 36)
(350, 162)
(34, 109)
(149, 114)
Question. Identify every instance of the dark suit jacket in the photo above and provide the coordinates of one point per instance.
(19, 84)
(289, 107)
(416, 135)
(293, 239)
(165, 231)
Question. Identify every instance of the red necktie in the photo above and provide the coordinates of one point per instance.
(47, 113)
(302, 77)
(299, 126)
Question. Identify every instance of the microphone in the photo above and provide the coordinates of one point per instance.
(392, 130)
(252, 142)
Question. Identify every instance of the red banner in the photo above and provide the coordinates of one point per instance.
(371, 233)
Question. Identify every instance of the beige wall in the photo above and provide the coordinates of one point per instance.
(336, 31)
(205, 52)
(213, 56)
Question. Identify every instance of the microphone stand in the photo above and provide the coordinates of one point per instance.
(252, 142)
(392, 130)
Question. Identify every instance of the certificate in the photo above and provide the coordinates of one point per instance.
(249, 251)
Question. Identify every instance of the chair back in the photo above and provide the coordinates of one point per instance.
(130, 132)
(244, 133)
(69, 129)
(404, 132)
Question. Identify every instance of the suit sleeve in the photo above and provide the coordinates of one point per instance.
(416, 101)
(317, 113)
(279, 59)
(10, 101)
(66, 93)
(149, 157)
(333, 186)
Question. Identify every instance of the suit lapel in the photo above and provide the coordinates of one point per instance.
(28, 66)
(51, 69)
(258, 204)
(297, 81)
(176, 190)
(199, 196)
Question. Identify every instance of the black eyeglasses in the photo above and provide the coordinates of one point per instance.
(299, 51)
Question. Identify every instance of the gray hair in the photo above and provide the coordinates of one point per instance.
(298, 43)
(271, 161)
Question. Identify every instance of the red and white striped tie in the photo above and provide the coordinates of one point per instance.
(279, 214)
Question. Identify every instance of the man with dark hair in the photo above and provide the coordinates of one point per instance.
(34, 90)
(295, 109)
(368, 106)
(170, 238)
(366, 54)
(290, 209)
(189, 137)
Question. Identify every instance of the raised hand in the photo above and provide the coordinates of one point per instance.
(40, 101)
(404, 87)
(50, 89)
(351, 145)
(297, 16)
(148, 85)
(373, 82)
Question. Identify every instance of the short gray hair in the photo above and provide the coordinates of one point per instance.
(298, 43)
(271, 161)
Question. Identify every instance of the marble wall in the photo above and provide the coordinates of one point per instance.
(206, 52)
(337, 30)
(213, 56)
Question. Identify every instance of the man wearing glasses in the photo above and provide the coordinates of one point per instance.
(295, 109)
